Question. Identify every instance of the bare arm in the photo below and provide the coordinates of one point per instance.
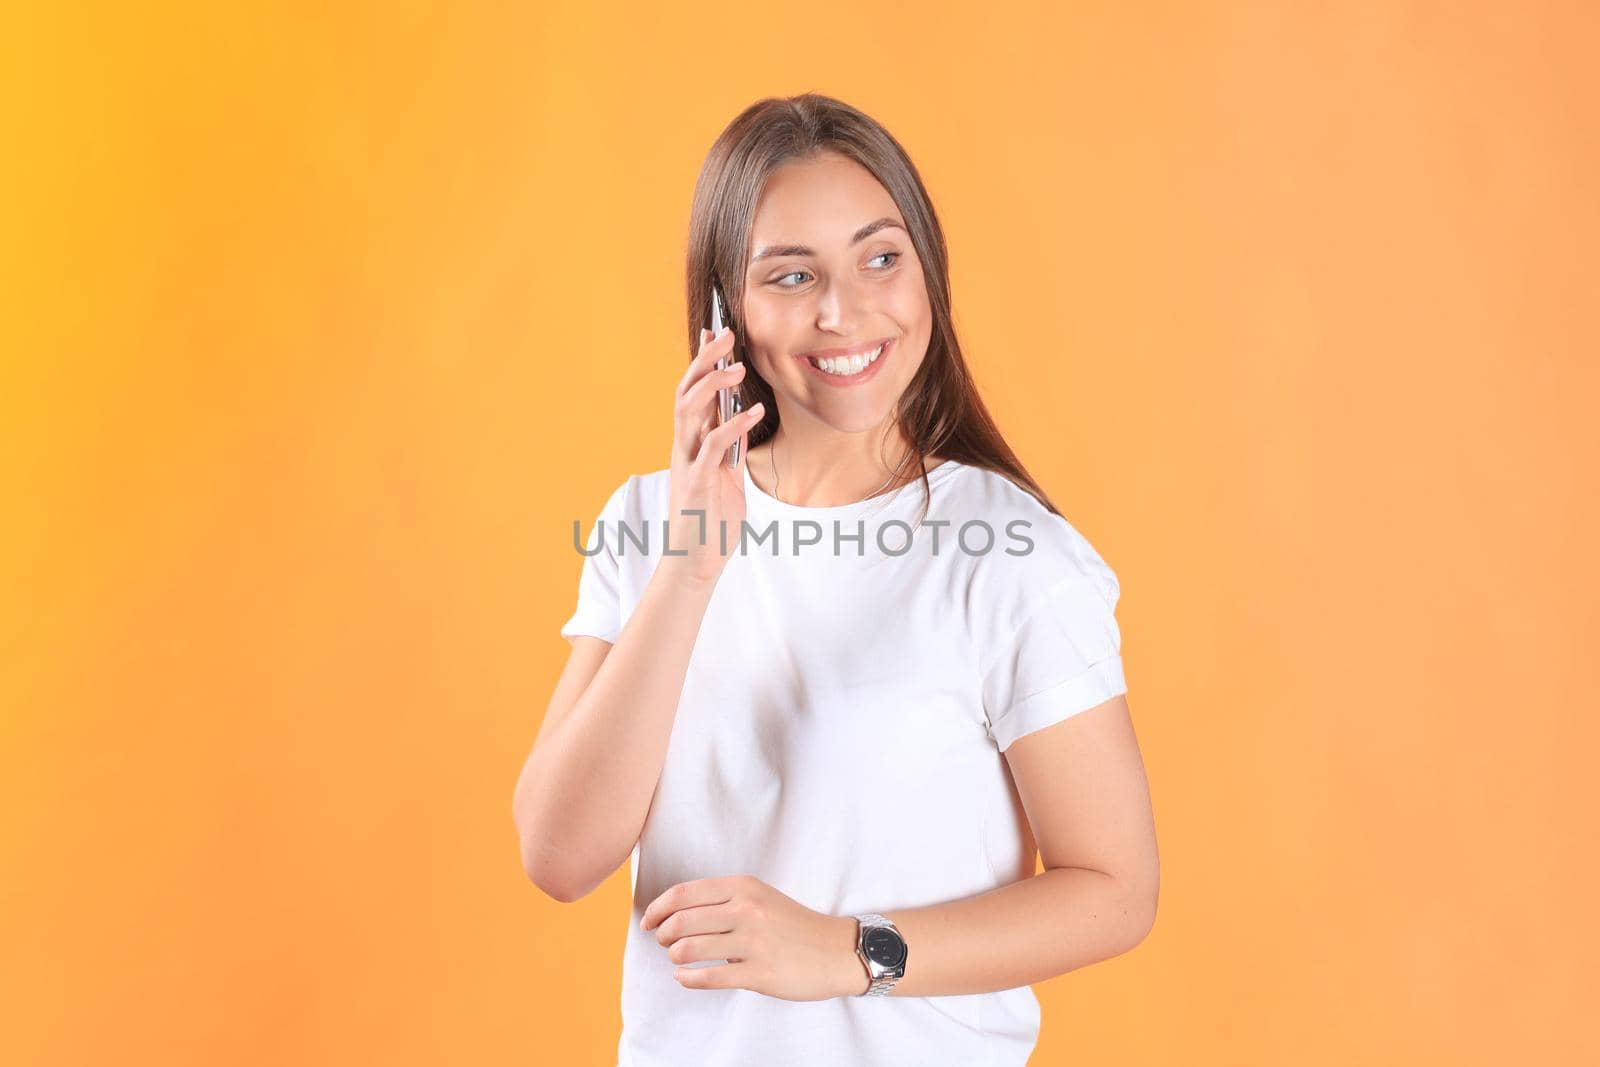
(586, 788)
(1082, 782)
(584, 793)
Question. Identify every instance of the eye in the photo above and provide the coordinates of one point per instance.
(778, 281)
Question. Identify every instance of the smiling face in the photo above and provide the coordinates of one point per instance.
(831, 281)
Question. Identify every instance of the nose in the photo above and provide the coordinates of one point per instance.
(840, 307)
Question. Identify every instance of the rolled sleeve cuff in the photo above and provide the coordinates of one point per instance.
(1047, 707)
(591, 624)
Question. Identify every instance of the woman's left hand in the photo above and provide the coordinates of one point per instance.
(773, 944)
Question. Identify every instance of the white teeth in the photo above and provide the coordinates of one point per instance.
(847, 366)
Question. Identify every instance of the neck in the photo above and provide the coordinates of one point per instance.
(825, 471)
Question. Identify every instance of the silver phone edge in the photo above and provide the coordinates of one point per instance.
(728, 404)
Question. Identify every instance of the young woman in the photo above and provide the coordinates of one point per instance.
(832, 699)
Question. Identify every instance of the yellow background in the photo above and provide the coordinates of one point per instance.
(322, 325)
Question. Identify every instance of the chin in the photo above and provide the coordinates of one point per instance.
(856, 418)
(860, 424)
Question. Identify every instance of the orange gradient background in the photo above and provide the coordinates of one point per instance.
(322, 323)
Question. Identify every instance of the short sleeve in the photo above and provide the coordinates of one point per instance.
(1063, 657)
(599, 609)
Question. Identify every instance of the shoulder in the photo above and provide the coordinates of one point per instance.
(1035, 551)
(652, 492)
(639, 495)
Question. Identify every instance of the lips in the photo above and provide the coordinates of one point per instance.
(859, 378)
(835, 353)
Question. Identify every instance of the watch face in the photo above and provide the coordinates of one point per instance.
(884, 947)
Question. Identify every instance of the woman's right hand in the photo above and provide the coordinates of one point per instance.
(702, 481)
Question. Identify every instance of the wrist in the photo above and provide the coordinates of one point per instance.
(679, 574)
(853, 979)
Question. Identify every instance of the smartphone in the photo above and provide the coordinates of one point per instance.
(729, 402)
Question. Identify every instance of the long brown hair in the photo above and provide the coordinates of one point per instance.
(940, 411)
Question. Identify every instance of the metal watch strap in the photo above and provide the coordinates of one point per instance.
(880, 986)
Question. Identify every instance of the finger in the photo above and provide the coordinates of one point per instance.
(700, 394)
(717, 976)
(702, 947)
(689, 371)
(718, 441)
(694, 922)
(682, 895)
(697, 408)
(686, 431)
(711, 350)
(700, 405)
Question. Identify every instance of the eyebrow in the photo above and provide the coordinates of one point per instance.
(801, 250)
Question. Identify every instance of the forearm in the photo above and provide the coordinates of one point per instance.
(1016, 935)
(590, 782)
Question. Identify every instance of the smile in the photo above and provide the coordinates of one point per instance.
(842, 370)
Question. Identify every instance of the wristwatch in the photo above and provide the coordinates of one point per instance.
(882, 951)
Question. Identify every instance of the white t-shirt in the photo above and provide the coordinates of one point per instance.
(839, 737)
